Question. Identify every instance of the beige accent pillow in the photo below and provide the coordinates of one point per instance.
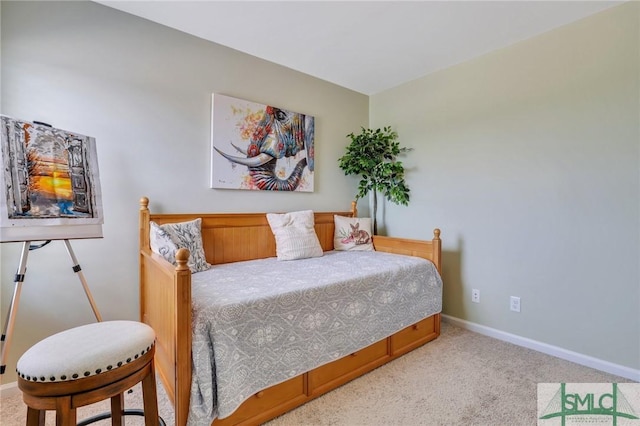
(295, 235)
(353, 233)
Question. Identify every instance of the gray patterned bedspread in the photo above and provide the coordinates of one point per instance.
(260, 322)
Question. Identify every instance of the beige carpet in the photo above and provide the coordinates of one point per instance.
(461, 378)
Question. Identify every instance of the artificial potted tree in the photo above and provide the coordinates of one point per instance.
(372, 155)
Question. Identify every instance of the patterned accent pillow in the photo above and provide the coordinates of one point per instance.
(295, 235)
(161, 243)
(181, 234)
(353, 233)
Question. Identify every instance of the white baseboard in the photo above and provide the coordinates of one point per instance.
(587, 361)
(9, 389)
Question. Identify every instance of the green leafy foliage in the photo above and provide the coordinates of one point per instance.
(372, 154)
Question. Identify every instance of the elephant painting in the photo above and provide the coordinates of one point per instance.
(273, 149)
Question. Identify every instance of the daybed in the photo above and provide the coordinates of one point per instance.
(242, 238)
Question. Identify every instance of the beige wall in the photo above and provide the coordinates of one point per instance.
(528, 159)
(144, 92)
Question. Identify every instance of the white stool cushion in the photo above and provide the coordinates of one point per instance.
(85, 351)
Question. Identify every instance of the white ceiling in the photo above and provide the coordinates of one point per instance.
(366, 46)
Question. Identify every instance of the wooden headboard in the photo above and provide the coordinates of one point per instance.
(234, 237)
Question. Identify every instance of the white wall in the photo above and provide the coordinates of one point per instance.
(528, 159)
(144, 92)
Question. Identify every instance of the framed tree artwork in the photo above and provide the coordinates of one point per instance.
(50, 182)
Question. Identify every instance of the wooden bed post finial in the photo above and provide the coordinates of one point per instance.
(144, 224)
(182, 256)
(354, 208)
(437, 249)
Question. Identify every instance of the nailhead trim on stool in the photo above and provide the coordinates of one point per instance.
(85, 351)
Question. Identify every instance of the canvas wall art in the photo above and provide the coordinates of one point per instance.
(50, 181)
(260, 147)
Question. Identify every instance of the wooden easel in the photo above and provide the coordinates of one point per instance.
(7, 329)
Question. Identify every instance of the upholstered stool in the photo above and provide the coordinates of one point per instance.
(88, 364)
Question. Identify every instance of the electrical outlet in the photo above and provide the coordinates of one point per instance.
(515, 304)
(475, 295)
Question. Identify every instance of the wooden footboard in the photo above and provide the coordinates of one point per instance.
(165, 304)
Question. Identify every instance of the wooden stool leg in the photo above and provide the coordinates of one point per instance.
(35, 417)
(117, 408)
(65, 415)
(150, 397)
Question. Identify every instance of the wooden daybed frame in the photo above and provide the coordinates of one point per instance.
(165, 304)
